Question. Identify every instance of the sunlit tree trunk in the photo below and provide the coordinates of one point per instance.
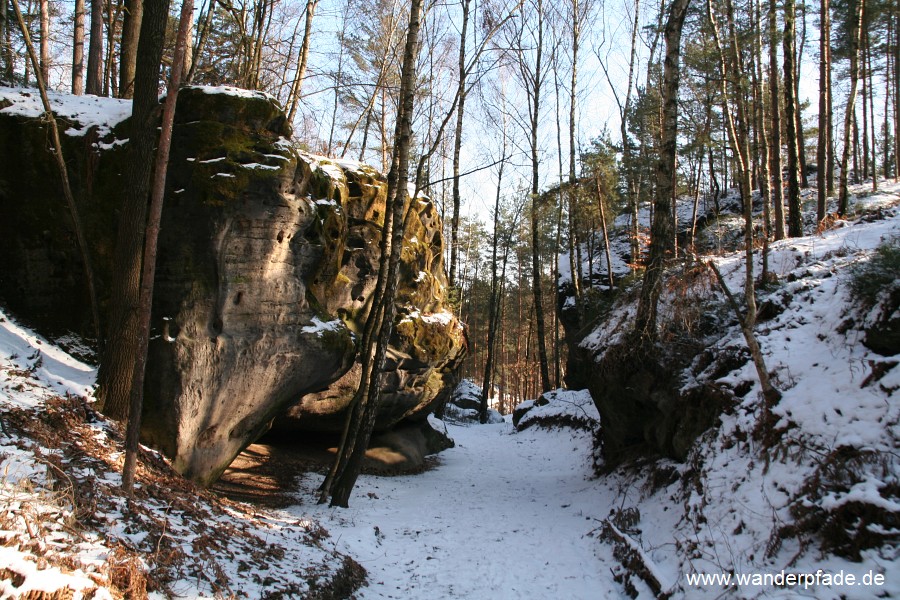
(574, 260)
(45, 40)
(77, 48)
(202, 36)
(871, 89)
(855, 37)
(759, 105)
(95, 50)
(824, 110)
(457, 141)
(739, 138)
(379, 324)
(151, 237)
(662, 228)
(303, 59)
(131, 27)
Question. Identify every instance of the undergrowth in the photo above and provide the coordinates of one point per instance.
(871, 279)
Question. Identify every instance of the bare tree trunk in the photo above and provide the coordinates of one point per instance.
(494, 302)
(864, 97)
(254, 44)
(609, 268)
(662, 226)
(131, 28)
(871, 89)
(537, 288)
(632, 184)
(77, 48)
(379, 324)
(6, 59)
(829, 163)
(120, 353)
(457, 142)
(771, 394)
(110, 69)
(303, 59)
(739, 141)
(557, 242)
(824, 109)
(45, 41)
(574, 260)
(572, 241)
(26, 70)
(795, 218)
(95, 50)
(63, 172)
(4, 37)
(801, 139)
(382, 123)
(855, 148)
(157, 192)
(338, 80)
(855, 37)
(775, 156)
(203, 36)
(896, 62)
(886, 123)
(760, 126)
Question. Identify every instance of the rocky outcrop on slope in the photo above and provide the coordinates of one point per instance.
(267, 263)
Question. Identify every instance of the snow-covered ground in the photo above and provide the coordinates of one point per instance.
(503, 514)
(67, 529)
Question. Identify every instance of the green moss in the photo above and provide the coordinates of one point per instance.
(216, 153)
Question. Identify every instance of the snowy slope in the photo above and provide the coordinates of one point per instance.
(65, 524)
(826, 495)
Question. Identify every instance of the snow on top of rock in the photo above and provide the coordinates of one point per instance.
(348, 164)
(85, 111)
(467, 389)
(228, 90)
(256, 165)
(335, 172)
(560, 407)
(320, 327)
(439, 318)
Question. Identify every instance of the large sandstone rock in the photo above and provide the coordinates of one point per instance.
(267, 263)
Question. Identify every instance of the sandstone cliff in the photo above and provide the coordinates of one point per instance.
(267, 262)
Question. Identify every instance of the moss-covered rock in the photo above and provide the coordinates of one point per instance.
(428, 342)
(267, 263)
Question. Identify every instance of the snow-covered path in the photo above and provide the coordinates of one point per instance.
(504, 514)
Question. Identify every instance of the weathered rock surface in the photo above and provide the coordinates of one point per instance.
(267, 263)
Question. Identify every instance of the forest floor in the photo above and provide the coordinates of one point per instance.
(506, 513)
